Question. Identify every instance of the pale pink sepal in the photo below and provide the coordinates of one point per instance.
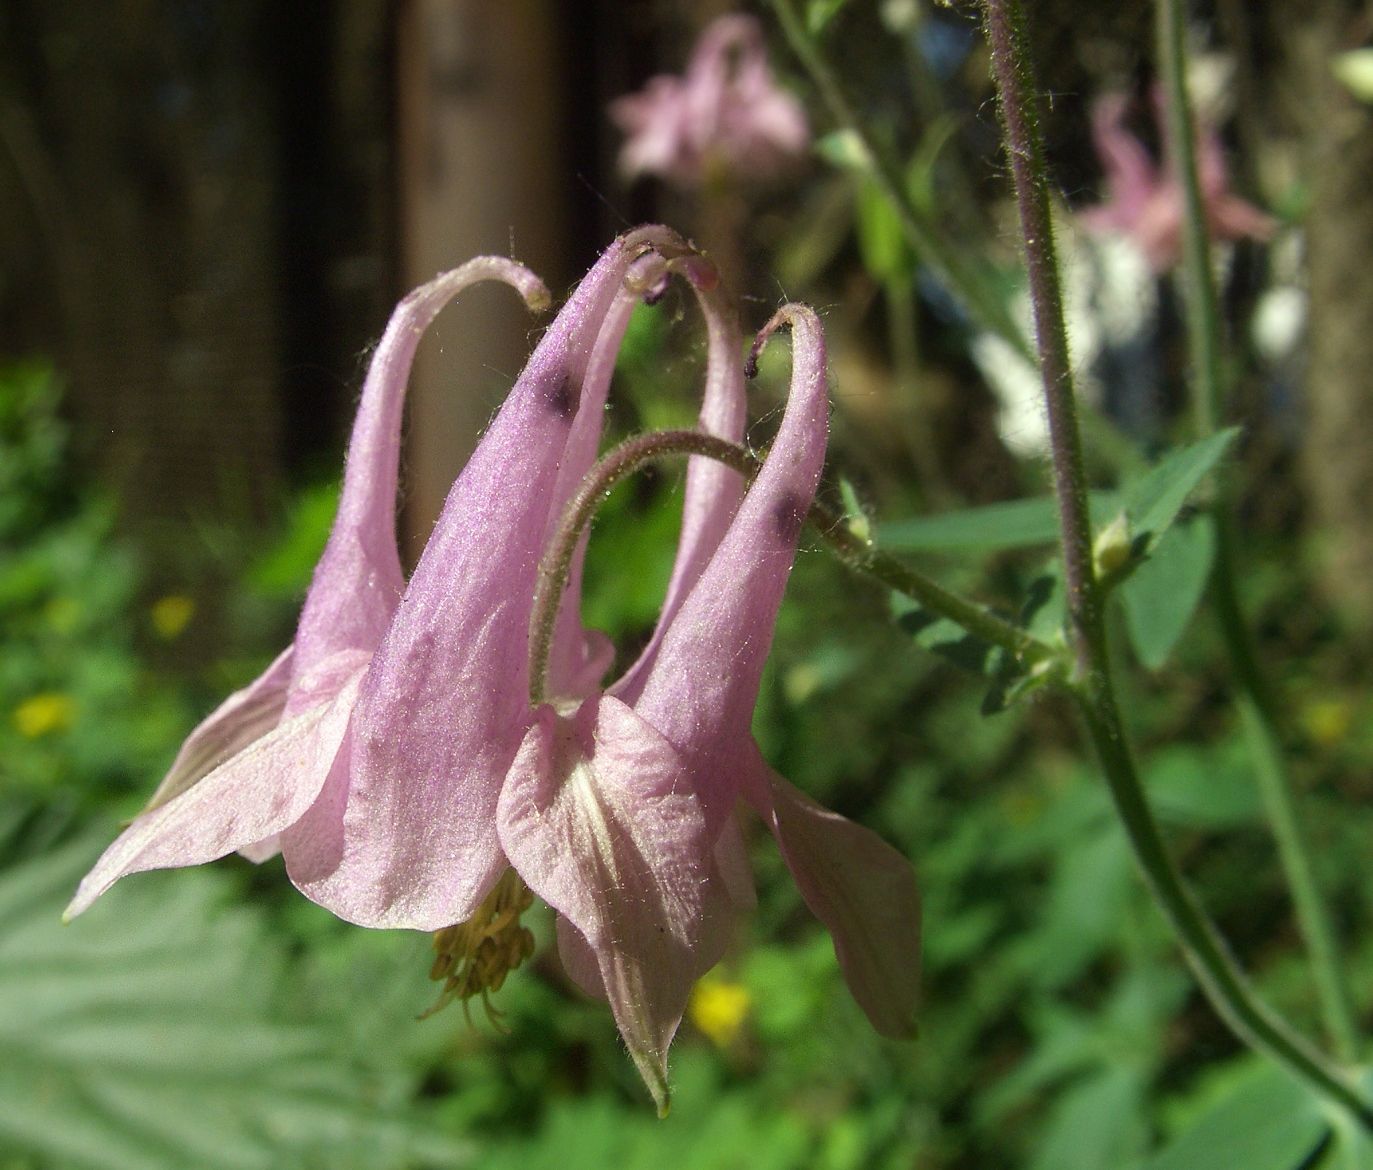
(246, 715)
(728, 892)
(257, 793)
(703, 687)
(864, 892)
(595, 817)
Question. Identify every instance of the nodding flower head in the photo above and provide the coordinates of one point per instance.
(414, 778)
(727, 118)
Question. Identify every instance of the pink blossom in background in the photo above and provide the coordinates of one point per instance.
(727, 117)
(1145, 202)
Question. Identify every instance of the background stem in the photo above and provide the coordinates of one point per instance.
(1253, 698)
(930, 240)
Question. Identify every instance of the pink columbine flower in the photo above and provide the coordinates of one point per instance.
(256, 763)
(430, 794)
(1146, 203)
(727, 116)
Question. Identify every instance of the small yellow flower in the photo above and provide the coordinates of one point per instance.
(44, 713)
(719, 1007)
(1327, 721)
(171, 614)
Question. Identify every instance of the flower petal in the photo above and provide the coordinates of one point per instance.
(728, 890)
(358, 580)
(257, 793)
(702, 690)
(574, 659)
(245, 716)
(713, 491)
(864, 892)
(408, 837)
(597, 818)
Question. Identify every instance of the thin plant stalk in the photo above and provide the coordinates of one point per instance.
(851, 548)
(1253, 698)
(1093, 689)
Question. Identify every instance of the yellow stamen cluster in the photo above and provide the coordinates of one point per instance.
(474, 957)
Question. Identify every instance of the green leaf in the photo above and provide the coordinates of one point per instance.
(1154, 500)
(1266, 1121)
(1210, 787)
(1162, 594)
(1097, 1122)
(1015, 524)
(148, 1035)
(820, 12)
(845, 150)
(881, 239)
(948, 639)
(1354, 70)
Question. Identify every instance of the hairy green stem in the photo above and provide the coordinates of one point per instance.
(929, 239)
(851, 548)
(1025, 148)
(1253, 699)
(1217, 972)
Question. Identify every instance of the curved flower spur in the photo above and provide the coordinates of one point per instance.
(258, 761)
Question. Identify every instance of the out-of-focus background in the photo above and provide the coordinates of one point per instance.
(208, 209)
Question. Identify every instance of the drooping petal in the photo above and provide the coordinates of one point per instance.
(713, 491)
(654, 122)
(704, 685)
(256, 793)
(358, 580)
(864, 892)
(1132, 179)
(410, 840)
(578, 662)
(598, 819)
(245, 716)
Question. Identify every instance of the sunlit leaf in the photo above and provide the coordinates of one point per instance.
(1154, 500)
(1014, 524)
(1162, 594)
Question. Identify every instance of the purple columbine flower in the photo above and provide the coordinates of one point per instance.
(256, 763)
(1145, 203)
(727, 117)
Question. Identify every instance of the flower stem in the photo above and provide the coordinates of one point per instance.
(855, 551)
(929, 239)
(1217, 971)
(1254, 700)
(1020, 118)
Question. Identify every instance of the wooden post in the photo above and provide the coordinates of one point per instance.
(481, 171)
